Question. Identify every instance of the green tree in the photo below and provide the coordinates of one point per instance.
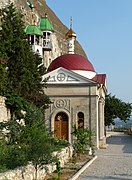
(40, 142)
(83, 139)
(30, 140)
(3, 75)
(24, 67)
(17, 105)
(13, 152)
(27, 141)
(116, 108)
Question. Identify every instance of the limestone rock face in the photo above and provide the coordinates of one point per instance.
(4, 112)
(59, 41)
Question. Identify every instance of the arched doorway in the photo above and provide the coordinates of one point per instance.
(80, 117)
(61, 126)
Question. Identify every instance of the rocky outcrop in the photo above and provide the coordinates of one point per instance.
(59, 28)
(4, 112)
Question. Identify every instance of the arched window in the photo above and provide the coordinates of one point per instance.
(80, 120)
(37, 40)
(32, 39)
(37, 51)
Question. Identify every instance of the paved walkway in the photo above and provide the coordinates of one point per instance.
(113, 163)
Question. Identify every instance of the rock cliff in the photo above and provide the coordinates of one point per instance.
(59, 41)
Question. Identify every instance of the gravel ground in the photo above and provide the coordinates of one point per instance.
(113, 163)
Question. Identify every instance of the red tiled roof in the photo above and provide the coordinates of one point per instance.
(100, 78)
(71, 62)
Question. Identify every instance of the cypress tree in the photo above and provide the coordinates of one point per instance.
(24, 69)
(3, 76)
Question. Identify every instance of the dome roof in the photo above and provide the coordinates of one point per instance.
(70, 34)
(45, 24)
(71, 62)
(33, 30)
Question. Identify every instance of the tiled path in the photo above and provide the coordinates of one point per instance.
(113, 163)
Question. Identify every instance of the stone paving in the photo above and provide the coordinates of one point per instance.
(113, 163)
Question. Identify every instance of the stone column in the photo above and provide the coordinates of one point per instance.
(102, 138)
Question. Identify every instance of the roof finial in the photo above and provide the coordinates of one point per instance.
(71, 23)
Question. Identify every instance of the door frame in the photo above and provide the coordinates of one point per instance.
(69, 121)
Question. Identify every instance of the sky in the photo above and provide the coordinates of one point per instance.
(104, 30)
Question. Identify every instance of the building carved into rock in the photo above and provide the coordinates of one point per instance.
(76, 90)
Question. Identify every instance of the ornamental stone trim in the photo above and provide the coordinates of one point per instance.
(61, 104)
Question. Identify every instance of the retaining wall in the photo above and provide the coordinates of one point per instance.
(28, 172)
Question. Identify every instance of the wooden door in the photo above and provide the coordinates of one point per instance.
(57, 128)
(61, 126)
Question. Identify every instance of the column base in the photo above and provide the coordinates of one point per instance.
(102, 143)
